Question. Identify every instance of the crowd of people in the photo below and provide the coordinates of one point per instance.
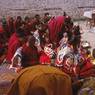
(52, 41)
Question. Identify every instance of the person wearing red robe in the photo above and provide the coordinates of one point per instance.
(18, 23)
(55, 25)
(81, 70)
(11, 27)
(30, 53)
(85, 69)
(16, 40)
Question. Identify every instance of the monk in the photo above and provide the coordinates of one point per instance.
(16, 40)
(18, 22)
(26, 55)
(30, 53)
(55, 25)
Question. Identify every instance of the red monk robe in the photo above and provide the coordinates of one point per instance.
(86, 70)
(30, 56)
(80, 71)
(15, 42)
(55, 26)
(12, 47)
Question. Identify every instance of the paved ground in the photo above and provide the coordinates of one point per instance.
(88, 34)
(6, 78)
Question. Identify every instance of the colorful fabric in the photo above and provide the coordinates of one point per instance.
(61, 53)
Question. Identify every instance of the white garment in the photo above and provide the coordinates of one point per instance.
(36, 35)
(62, 52)
(49, 51)
(18, 53)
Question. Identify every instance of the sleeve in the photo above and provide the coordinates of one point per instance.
(16, 60)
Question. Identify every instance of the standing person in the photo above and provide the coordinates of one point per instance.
(76, 38)
(2, 34)
(11, 27)
(16, 40)
(37, 19)
(55, 26)
(46, 17)
(5, 29)
(18, 22)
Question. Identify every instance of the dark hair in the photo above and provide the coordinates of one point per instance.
(69, 55)
(26, 18)
(20, 32)
(46, 14)
(64, 14)
(19, 17)
(37, 15)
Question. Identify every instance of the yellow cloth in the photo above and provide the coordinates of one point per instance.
(41, 80)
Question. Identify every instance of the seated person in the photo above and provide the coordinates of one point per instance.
(27, 55)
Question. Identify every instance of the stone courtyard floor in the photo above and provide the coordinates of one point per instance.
(87, 33)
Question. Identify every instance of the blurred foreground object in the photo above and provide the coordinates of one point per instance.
(41, 80)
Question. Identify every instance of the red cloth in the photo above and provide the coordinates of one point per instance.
(1, 29)
(13, 44)
(83, 70)
(69, 69)
(87, 70)
(12, 39)
(44, 59)
(30, 56)
(55, 26)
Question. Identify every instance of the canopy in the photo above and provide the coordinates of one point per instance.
(88, 14)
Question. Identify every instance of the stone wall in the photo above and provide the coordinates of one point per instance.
(74, 8)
